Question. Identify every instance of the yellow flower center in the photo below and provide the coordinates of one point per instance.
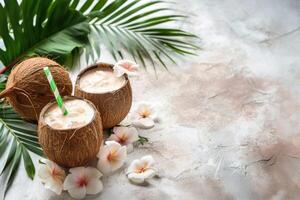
(112, 156)
(141, 170)
(123, 139)
(54, 172)
(145, 113)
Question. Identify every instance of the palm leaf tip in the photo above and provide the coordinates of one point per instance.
(139, 29)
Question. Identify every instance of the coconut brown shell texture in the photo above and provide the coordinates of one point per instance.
(71, 147)
(114, 105)
(28, 90)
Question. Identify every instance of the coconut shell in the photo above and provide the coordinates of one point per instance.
(114, 105)
(71, 147)
(28, 90)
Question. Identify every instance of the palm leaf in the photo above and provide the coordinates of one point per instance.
(57, 28)
(3, 78)
(135, 27)
(43, 27)
(17, 137)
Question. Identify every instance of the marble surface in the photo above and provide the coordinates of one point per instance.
(230, 116)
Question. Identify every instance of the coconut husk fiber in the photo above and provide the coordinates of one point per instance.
(114, 105)
(71, 147)
(28, 90)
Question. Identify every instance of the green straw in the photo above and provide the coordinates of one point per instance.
(55, 91)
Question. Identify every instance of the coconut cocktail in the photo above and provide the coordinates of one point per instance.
(73, 139)
(111, 95)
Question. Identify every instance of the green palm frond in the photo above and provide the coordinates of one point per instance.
(56, 28)
(17, 137)
(43, 27)
(138, 28)
(3, 78)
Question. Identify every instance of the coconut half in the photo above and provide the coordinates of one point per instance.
(113, 105)
(28, 90)
(70, 147)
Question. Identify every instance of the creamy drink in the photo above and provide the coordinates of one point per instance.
(80, 113)
(111, 95)
(100, 81)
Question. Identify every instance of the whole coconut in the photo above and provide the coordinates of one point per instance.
(28, 90)
(71, 147)
(113, 105)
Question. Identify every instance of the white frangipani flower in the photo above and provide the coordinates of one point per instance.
(82, 181)
(111, 157)
(144, 116)
(126, 67)
(125, 136)
(141, 170)
(52, 176)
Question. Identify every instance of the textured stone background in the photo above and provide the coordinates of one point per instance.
(230, 116)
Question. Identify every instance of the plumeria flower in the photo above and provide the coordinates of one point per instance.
(52, 176)
(82, 181)
(126, 67)
(111, 157)
(125, 136)
(141, 170)
(144, 116)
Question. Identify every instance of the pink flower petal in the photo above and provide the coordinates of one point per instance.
(92, 173)
(136, 178)
(70, 182)
(134, 166)
(141, 169)
(149, 173)
(94, 186)
(52, 176)
(104, 166)
(144, 123)
(132, 135)
(54, 186)
(77, 193)
(147, 161)
(124, 135)
(111, 157)
(125, 66)
(119, 161)
(112, 145)
(122, 153)
(119, 71)
(77, 170)
(44, 172)
(113, 137)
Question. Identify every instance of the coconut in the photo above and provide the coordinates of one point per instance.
(70, 147)
(28, 90)
(112, 105)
